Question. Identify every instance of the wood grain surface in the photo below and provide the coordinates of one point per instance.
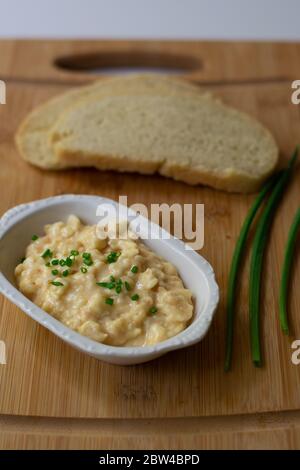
(263, 431)
(45, 377)
(218, 62)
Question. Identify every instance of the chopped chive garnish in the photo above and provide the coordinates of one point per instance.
(134, 269)
(69, 262)
(83, 270)
(55, 262)
(22, 259)
(106, 285)
(102, 284)
(152, 310)
(109, 301)
(47, 253)
(54, 272)
(74, 252)
(34, 237)
(112, 278)
(127, 286)
(56, 283)
(48, 264)
(119, 285)
(112, 257)
(88, 261)
(86, 255)
(62, 262)
(135, 297)
(65, 273)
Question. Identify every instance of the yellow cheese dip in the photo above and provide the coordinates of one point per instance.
(115, 291)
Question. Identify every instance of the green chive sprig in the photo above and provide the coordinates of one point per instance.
(258, 250)
(235, 264)
(285, 276)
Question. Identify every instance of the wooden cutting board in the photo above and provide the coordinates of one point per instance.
(46, 378)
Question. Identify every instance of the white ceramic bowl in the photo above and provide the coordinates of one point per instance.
(16, 228)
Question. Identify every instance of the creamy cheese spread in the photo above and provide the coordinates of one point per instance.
(115, 291)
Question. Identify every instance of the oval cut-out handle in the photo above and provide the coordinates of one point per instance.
(128, 62)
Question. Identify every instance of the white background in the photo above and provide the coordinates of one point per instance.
(189, 19)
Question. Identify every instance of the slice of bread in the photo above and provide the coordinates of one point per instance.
(32, 136)
(190, 138)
